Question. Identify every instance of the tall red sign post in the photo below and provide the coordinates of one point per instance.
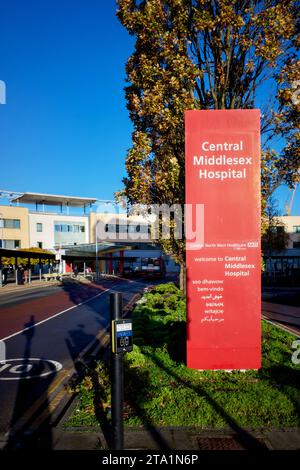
(224, 268)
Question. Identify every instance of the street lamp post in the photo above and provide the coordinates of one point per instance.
(105, 202)
(96, 246)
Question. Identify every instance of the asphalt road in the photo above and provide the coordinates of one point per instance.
(282, 295)
(44, 331)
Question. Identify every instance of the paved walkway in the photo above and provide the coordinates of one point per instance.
(169, 438)
(181, 438)
(12, 287)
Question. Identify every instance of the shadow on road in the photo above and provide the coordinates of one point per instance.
(99, 377)
(76, 342)
(79, 292)
(30, 420)
(23, 432)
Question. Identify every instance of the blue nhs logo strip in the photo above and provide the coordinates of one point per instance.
(124, 333)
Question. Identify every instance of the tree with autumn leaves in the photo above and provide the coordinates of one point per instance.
(207, 54)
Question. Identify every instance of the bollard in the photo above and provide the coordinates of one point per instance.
(29, 276)
(40, 273)
(117, 380)
(16, 276)
(1, 278)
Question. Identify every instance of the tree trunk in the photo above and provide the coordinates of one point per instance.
(182, 278)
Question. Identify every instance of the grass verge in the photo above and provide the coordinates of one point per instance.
(160, 390)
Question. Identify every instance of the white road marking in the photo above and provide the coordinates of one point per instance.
(53, 316)
(14, 369)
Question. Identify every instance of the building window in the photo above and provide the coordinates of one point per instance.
(69, 228)
(118, 228)
(10, 223)
(277, 229)
(39, 227)
(115, 228)
(110, 228)
(133, 228)
(40, 244)
(296, 228)
(10, 244)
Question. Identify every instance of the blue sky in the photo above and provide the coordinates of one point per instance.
(65, 128)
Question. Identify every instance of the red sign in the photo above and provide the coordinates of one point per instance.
(223, 269)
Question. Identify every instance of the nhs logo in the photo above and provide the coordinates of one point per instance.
(2, 92)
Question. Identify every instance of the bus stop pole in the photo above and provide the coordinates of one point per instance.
(117, 379)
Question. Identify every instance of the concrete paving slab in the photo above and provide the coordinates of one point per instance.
(148, 439)
(178, 439)
(78, 441)
(284, 440)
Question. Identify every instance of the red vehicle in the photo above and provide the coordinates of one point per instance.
(153, 267)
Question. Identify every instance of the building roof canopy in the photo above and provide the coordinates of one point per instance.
(53, 200)
(6, 253)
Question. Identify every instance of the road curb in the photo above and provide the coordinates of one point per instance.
(286, 328)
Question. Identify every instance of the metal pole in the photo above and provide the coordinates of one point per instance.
(96, 245)
(117, 380)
